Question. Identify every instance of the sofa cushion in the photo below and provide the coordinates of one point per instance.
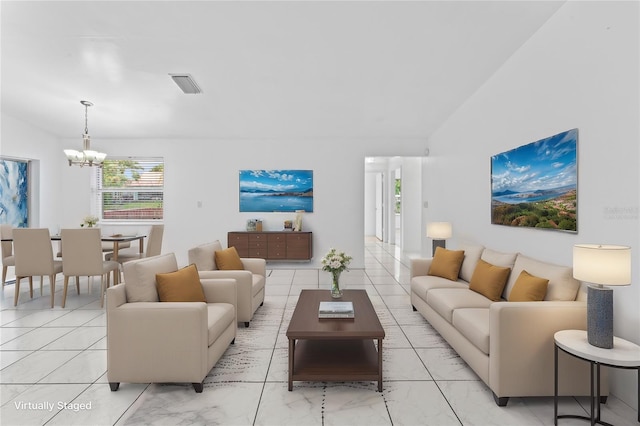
(562, 285)
(228, 260)
(140, 276)
(204, 256)
(474, 325)
(446, 263)
(219, 316)
(446, 300)
(180, 286)
(472, 253)
(506, 260)
(420, 285)
(528, 288)
(489, 280)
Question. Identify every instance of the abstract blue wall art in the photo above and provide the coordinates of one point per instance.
(536, 185)
(276, 190)
(14, 193)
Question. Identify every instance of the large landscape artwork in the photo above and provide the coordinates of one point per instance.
(276, 190)
(535, 185)
(14, 193)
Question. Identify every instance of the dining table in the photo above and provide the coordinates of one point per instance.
(116, 239)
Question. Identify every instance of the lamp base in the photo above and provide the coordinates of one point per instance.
(600, 317)
(435, 244)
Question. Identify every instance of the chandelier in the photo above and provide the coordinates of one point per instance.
(86, 157)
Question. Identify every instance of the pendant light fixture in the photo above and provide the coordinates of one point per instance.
(86, 157)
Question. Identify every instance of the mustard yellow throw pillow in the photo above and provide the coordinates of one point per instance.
(528, 288)
(489, 280)
(228, 259)
(446, 263)
(182, 285)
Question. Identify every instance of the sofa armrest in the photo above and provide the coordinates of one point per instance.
(521, 344)
(220, 290)
(116, 296)
(244, 288)
(256, 266)
(420, 266)
(169, 331)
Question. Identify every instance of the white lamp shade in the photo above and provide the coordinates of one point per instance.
(602, 264)
(439, 230)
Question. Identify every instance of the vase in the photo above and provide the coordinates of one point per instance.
(336, 292)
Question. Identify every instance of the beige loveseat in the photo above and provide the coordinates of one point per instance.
(250, 281)
(149, 341)
(509, 344)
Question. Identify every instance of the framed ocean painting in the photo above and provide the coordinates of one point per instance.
(14, 192)
(535, 185)
(276, 190)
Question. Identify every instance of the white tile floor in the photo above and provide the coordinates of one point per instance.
(53, 368)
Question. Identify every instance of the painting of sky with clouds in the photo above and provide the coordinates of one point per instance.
(542, 173)
(276, 190)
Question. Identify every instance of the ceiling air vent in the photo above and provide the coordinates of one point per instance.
(186, 83)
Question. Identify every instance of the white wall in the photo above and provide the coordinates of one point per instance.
(370, 203)
(19, 140)
(411, 204)
(580, 70)
(207, 171)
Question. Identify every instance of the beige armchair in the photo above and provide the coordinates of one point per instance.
(250, 281)
(149, 341)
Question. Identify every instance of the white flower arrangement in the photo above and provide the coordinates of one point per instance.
(89, 221)
(335, 261)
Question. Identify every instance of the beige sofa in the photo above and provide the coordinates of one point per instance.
(149, 341)
(250, 281)
(508, 344)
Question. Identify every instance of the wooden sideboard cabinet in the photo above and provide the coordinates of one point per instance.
(272, 245)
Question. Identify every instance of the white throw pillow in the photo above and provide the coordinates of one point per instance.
(204, 256)
(562, 285)
(472, 253)
(140, 276)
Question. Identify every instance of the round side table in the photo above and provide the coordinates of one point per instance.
(624, 354)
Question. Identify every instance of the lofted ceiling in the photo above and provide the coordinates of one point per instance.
(291, 69)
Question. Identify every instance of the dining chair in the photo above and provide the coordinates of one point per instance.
(34, 257)
(82, 256)
(6, 231)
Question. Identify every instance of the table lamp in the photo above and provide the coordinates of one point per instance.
(601, 265)
(438, 232)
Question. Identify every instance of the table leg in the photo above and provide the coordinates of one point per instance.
(597, 402)
(116, 274)
(555, 385)
(592, 416)
(379, 365)
(116, 249)
(292, 350)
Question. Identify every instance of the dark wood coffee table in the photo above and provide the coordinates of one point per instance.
(334, 349)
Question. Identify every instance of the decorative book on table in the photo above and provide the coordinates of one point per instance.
(336, 310)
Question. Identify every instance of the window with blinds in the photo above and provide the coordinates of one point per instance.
(130, 189)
